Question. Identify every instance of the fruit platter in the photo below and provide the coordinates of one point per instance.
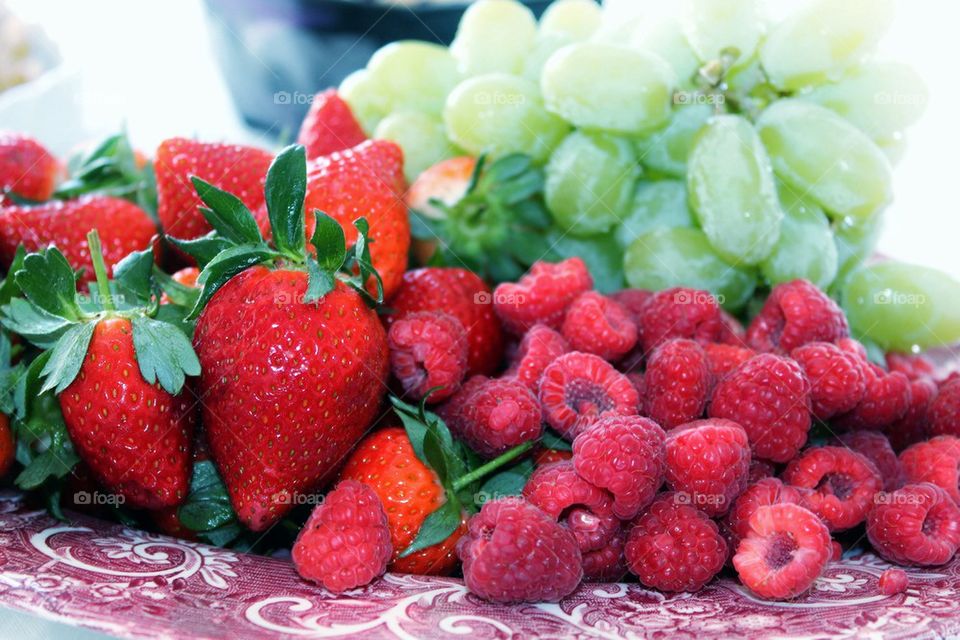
(566, 329)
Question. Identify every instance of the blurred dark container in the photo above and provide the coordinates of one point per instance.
(275, 54)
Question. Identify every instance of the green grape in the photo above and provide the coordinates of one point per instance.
(609, 87)
(732, 190)
(682, 256)
(666, 150)
(826, 158)
(494, 35)
(901, 306)
(602, 255)
(665, 38)
(414, 75)
(422, 138)
(590, 180)
(821, 41)
(715, 26)
(544, 47)
(855, 242)
(894, 148)
(806, 248)
(575, 19)
(655, 205)
(499, 114)
(881, 99)
(368, 103)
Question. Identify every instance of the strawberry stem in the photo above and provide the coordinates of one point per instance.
(100, 269)
(493, 465)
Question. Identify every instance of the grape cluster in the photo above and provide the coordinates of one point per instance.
(720, 150)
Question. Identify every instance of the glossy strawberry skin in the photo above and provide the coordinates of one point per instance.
(410, 491)
(26, 167)
(134, 436)
(329, 126)
(288, 387)
(123, 227)
(239, 169)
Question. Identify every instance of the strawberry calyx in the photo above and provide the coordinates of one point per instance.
(236, 243)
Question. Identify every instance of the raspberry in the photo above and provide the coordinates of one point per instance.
(893, 581)
(674, 546)
(760, 469)
(543, 456)
(709, 461)
(770, 398)
(491, 416)
(540, 346)
(913, 426)
(918, 525)
(885, 401)
(837, 380)
(732, 332)
(428, 349)
(763, 493)
(678, 382)
(599, 325)
(876, 448)
(633, 300)
(624, 455)
(639, 382)
(681, 313)
(935, 461)
(542, 295)
(346, 541)
(577, 389)
(785, 550)
(794, 314)
(944, 413)
(724, 358)
(514, 552)
(853, 347)
(841, 484)
(608, 563)
(836, 551)
(912, 365)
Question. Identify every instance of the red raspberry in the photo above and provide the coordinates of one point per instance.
(462, 294)
(841, 484)
(760, 469)
(346, 541)
(784, 552)
(633, 300)
(624, 455)
(674, 546)
(733, 332)
(836, 551)
(944, 413)
(607, 564)
(876, 448)
(639, 382)
(681, 313)
(514, 552)
(893, 581)
(708, 461)
(885, 401)
(770, 398)
(724, 358)
(912, 365)
(428, 349)
(540, 346)
(853, 347)
(918, 524)
(794, 314)
(543, 456)
(491, 416)
(763, 493)
(837, 380)
(678, 383)
(577, 389)
(542, 295)
(935, 461)
(599, 325)
(913, 426)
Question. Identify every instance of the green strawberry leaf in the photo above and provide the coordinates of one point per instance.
(8, 286)
(225, 266)
(436, 527)
(285, 189)
(48, 281)
(509, 482)
(418, 423)
(359, 265)
(202, 249)
(180, 295)
(66, 357)
(319, 281)
(329, 241)
(33, 323)
(207, 507)
(164, 354)
(176, 316)
(222, 536)
(133, 276)
(226, 213)
(111, 169)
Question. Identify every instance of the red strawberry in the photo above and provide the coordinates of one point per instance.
(7, 445)
(26, 167)
(123, 226)
(329, 126)
(447, 182)
(236, 168)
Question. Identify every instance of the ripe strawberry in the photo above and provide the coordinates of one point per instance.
(447, 182)
(329, 126)
(123, 227)
(7, 445)
(26, 168)
(236, 168)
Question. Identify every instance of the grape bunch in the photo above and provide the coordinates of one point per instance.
(717, 150)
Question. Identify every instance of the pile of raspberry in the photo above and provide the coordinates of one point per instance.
(696, 445)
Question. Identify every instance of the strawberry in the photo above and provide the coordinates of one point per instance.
(123, 227)
(7, 445)
(329, 126)
(27, 169)
(446, 182)
(117, 371)
(238, 168)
